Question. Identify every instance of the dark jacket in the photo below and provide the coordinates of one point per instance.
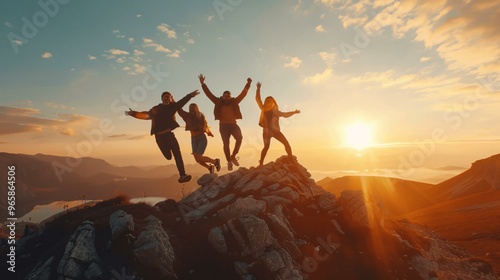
(163, 116)
(233, 102)
(193, 123)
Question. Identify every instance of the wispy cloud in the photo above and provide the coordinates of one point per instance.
(464, 33)
(328, 58)
(8, 24)
(47, 55)
(146, 42)
(424, 58)
(15, 120)
(210, 18)
(117, 52)
(58, 106)
(319, 28)
(91, 57)
(138, 16)
(294, 62)
(319, 78)
(165, 28)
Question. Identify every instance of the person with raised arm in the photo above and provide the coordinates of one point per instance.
(269, 121)
(197, 124)
(227, 111)
(163, 123)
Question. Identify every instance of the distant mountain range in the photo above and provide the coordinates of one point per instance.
(464, 209)
(42, 179)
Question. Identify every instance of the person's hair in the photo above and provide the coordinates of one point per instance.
(197, 117)
(166, 92)
(270, 103)
(226, 91)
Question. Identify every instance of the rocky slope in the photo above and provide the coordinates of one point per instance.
(271, 222)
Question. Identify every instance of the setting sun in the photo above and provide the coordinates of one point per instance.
(358, 136)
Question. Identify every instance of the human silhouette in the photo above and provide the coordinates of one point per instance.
(269, 120)
(196, 123)
(227, 111)
(163, 123)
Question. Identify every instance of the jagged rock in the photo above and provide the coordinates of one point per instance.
(216, 238)
(287, 193)
(206, 178)
(272, 261)
(254, 237)
(280, 229)
(80, 259)
(362, 212)
(197, 213)
(290, 274)
(327, 201)
(121, 224)
(241, 207)
(153, 249)
(241, 268)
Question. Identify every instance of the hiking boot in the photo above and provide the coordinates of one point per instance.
(230, 166)
(234, 160)
(211, 169)
(184, 178)
(217, 164)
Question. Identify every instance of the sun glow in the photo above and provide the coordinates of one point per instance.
(358, 136)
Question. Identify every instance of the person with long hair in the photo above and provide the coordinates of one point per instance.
(269, 120)
(196, 123)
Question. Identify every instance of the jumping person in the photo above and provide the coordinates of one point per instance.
(197, 125)
(227, 111)
(163, 123)
(269, 120)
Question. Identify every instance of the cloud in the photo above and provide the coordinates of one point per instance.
(91, 57)
(67, 131)
(158, 47)
(139, 15)
(328, 58)
(138, 52)
(120, 60)
(18, 42)
(210, 18)
(424, 58)
(116, 31)
(294, 62)
(175, 54)
(14, 120)
(165, 28)
(136, 70)
(190, 41)
(8, 24)
(58, 106)
(47, 55)
(464, 33)
(319, 28)
(131, 40)
(117, 52)
(319, 77)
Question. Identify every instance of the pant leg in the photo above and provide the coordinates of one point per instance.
(176, 152)
(164, 145)
(238, 136)
(280, 137)
(225, 133)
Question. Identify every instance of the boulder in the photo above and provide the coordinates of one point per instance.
(121, 224)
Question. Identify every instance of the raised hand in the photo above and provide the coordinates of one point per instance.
(259, 84)
(201, 78)
(130, 112)
(194, 93)
(249, 80)
(297, 111)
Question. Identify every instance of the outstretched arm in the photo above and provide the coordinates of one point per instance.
(288, 114)
(244, 91)
(185, 99)
(144, 115)
(207, 92)
(257, 96)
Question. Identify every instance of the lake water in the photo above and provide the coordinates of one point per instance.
(42, 212)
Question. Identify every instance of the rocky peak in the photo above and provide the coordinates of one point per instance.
(269, 222)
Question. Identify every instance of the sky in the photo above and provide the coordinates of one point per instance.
(418, 77)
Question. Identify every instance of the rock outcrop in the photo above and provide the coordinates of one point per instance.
(269, 222)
